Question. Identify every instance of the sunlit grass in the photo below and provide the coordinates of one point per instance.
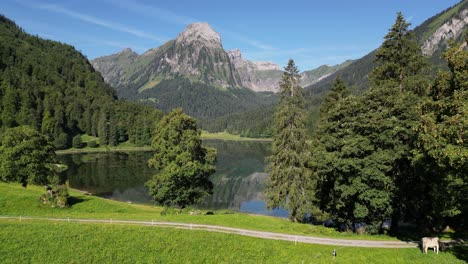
(17, 201)
(228, 136)
(41, 242)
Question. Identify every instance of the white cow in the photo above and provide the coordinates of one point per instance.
(430, 242)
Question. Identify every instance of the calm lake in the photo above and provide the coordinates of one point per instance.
(238, 181)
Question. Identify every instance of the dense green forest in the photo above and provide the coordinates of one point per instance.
(397, 151)
(204, 102)
(53, 88)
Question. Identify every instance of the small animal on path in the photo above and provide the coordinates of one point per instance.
(430, 242)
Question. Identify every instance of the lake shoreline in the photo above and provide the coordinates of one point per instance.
(148, 148)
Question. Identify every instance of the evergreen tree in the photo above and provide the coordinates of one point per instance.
(289, 183)
(183, 164)
(338, 92)
(399, 60)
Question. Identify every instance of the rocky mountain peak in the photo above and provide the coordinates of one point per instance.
(127, 50)
(200, 32)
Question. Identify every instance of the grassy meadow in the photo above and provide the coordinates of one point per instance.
(40, 242)
(54, 242)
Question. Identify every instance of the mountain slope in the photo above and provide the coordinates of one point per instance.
(448, 24)
(53, 88)
(193, 72)
(432, 35)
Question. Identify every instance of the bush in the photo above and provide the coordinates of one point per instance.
(93, 144)
(77, 142)
(56, 196)
(62, 141)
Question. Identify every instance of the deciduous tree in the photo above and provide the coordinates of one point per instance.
(183, 164)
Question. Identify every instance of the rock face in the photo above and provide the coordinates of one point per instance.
(199, 32)
(197, 54)
(113, 67)
(258, 76)
(452, 29)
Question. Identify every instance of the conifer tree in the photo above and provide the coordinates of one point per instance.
(338, 92)
(289, 183)
(399, 60)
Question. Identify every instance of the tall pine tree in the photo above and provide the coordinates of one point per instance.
(399, 60)
(289, 183)
(338, 92)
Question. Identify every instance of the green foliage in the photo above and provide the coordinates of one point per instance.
(92, 144)
(442, 140)
(399, 59)
(77, 142)
(183, 164)
(363, 146)
(199, 100)
(62, 141)
(53, 88)
(56, 196)
(337, 93)
(27, 157)
(289, 183)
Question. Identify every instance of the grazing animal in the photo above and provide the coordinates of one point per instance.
(430, 242)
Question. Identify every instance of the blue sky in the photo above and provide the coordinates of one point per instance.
(311, 32)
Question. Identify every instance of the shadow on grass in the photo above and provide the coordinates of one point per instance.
(460, 252)
(72, 200)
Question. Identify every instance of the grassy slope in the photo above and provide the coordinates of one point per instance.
(16, 201)
(228, 136)
(47, 242)
(37, 242)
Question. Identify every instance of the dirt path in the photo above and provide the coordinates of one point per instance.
(237, 231)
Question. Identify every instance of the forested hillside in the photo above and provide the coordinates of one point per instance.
(432, 35)
(53, 88)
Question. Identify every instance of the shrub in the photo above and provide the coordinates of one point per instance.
(62, 141)
(93, 144)
(56, 196)
(77, 142)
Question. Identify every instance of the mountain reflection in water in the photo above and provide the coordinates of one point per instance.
(238, 181)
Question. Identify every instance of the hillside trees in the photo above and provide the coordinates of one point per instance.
(289, 183)
(53, 88)
(183, 165)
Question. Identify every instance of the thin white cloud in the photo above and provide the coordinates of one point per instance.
(152, 11)
(92, 20)
(171, 17)
(117, 44)
(252, 42)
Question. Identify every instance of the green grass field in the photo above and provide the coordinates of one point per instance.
(47, 242)
(33, 242)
